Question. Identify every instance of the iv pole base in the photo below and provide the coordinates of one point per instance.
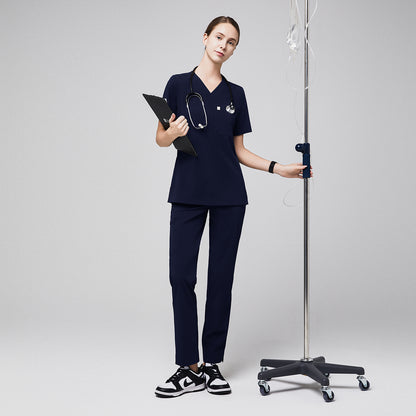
(315, 368)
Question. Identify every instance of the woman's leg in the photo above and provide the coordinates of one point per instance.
(186, 227)
(225, 224)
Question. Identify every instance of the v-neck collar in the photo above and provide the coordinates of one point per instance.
(202, 82)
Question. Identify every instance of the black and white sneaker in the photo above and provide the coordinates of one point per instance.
(216, 383)
(183, 381)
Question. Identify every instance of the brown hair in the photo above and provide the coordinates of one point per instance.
(223, 19)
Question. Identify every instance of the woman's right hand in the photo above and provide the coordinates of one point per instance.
(178, 127)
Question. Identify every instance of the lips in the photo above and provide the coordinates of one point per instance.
(219, 53)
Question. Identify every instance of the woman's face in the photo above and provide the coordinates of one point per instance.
(221, 42)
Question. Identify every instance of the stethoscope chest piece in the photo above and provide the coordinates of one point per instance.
(230, 108)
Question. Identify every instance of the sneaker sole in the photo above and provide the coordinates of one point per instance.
(179, 393)
(219, 392)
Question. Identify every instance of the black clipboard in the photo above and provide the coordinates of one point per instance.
(163, 113)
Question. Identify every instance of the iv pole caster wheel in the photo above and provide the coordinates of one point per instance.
(264, 388)
(327, 394)
(363, 383)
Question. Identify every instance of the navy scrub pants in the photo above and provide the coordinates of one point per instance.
(186, 226)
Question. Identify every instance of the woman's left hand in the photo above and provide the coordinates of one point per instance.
(294, 170)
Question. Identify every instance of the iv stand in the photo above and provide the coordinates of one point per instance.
(315, 368)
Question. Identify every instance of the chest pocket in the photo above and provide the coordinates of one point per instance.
(223, 120)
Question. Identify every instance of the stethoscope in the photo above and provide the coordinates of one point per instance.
(230, 107)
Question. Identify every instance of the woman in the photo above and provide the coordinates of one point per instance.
(211, 182)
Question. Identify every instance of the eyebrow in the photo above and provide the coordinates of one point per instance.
(222, 34)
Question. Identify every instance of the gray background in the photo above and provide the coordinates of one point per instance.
(85, 306)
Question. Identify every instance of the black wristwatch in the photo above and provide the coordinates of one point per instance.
(271, 167)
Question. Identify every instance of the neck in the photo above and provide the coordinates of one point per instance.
(208, 69)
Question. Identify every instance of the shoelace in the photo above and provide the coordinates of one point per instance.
(176, 375)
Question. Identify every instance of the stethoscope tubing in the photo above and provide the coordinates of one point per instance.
(230, 108)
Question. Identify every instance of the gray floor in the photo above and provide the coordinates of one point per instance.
(113, 371)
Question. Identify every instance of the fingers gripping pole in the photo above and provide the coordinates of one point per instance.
(306, 160)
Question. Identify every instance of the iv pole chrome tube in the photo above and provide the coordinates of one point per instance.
(306, 192)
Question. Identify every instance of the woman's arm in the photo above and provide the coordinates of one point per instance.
(247, 158)
(177, 128)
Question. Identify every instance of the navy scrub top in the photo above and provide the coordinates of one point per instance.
(214, 177)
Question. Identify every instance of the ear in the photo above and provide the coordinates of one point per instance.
(205, 39)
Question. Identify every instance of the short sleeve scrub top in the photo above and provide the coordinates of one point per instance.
(214, 177)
